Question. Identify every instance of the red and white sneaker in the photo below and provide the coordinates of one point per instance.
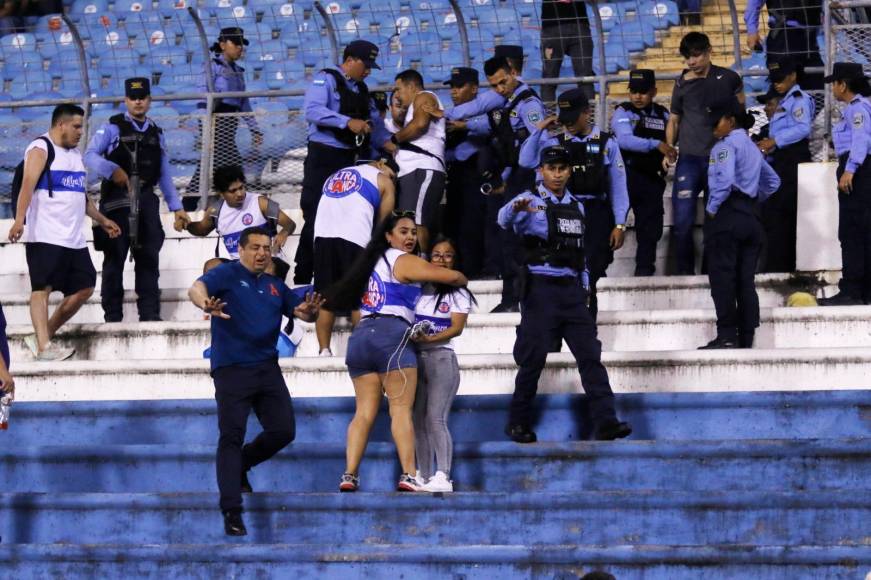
(408, 482)
(349, 482)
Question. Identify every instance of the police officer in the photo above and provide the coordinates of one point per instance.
(738, 179)
(788, 144)
(792, 32)
(228, 77)
(466, 207)
(339, 114)
(852, 139)
(510, 125)
(111, 153)
(639, 127)
(770, 102)
(551, 222)
(598, 178)
(490, 100)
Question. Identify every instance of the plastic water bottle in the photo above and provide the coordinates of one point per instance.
(5, 403)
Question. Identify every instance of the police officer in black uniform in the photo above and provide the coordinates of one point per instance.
(639, 127)
(551, 222)
(339, 113)
(132, 145)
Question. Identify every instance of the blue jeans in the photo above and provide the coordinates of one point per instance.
(690, 178)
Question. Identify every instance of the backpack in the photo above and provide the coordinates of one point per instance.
(18, 176)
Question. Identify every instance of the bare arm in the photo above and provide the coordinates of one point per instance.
(424, 106)
(458, 324)
(388, 197)
(203, 227)
(409, 268)
(199, 295)
(671, 129)
(108, 225)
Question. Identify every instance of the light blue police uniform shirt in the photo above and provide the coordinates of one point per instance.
(737, 164)
(483, 103)
(754, 9)
(530, 153)
(230, 78)
(535, 224)
(479, 129)
(322, 104)
(623, 124)
(107, 139)
(852, 133)
(793, 118)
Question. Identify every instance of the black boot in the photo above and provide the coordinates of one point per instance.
(613, 429)
(233, 524)
(720, 342)
(521, 434)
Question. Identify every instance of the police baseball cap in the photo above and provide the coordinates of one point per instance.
(779, 69)
(723, 108)
(771, 94)
(234, 34)
(570, 104)
(641, 80)
(137, 88)
(845, 71)
(554, 154)
(462, 75)
(364, 50)
(508, 51)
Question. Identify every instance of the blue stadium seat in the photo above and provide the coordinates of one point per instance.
(240, 16)
(757, 84)
(164, 115)
(616, 58)
(123, 6)
(213, 6)
(108, 43)
(609, 14)
(182, 146)
(58, 45)
(81, 8)
(660, 13)
(28, 60)
(635, 36)
(337, 7)
(49, 23)
(169, 8)
(278, 74)
(17, 43)
(10, 124)
(269, 51)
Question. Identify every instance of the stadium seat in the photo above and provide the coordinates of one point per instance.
(755, 61)
(213, 6)
(10, 124)
(80, 8)
(164, 115)
(182, 145)
(169, 8)
(609, 14)
(49, 23)
(635, 36)
(278, 74)
(660, 13)
(123, 6)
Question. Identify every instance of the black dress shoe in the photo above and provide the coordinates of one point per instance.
(719, 342)
(503, 307)
(840, 299)
(151, 319)
(233, 524)
(745, 340)
(612, 430)
(246, 485)
(521, 434)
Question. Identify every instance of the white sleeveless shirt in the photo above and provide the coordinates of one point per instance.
(438, 312)
(232, 221)
(58, 219)
(348, 204)
(386, 295)
(433, 141)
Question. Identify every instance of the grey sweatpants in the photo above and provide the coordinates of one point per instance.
(438, 378)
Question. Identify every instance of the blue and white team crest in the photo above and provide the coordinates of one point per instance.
(376, 294)
(343, 183)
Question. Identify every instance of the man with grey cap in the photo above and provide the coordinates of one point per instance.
(131, 141)
(339, 112)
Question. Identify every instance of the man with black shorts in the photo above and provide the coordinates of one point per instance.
(52, 203)
(351, 199)
(419, 148)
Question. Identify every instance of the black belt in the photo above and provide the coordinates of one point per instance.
(557, 280)
(379, 315)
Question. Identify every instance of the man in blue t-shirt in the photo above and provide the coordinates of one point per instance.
(246, 305)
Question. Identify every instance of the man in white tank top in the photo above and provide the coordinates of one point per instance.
(419, 148)
(50, 214)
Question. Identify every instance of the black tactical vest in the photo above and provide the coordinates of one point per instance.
(150, 155)
(589, 174)
(564, 247)
(798, 10)
(506, 140)
(454, 138)
(351, 104)
(651, 125)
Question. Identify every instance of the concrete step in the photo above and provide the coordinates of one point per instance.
(749, 465)
(474, 418)
(623, 331)
(604, 518)
(630, 372)
(473, 562)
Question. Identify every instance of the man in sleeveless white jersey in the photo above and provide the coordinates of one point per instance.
(353, 198)
(49, 218)
(419, 149)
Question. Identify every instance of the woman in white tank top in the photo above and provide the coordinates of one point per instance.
(380, 357)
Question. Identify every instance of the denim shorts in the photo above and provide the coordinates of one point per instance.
(375, 343)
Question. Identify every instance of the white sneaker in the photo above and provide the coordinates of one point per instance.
(55, 353)
(31, 343)
(439, 483)
(325, 352)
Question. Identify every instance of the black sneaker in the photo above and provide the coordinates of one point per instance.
(520, 434)
(840, 299)
(233, 524)
(613, 429)
(719, 343)
(349, 482)
(246, 485)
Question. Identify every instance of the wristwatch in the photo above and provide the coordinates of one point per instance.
(621, 227)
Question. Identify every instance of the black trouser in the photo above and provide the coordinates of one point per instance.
(555, 308)
(320, 162)
(508, 243)
(800, 44)
(466, 214)
(733, 242)
(780, 211)
(224, 148)
(599, 223)
(572, 38)
(854, 233)
(146, 259)
(646, 196)
(238, 389)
